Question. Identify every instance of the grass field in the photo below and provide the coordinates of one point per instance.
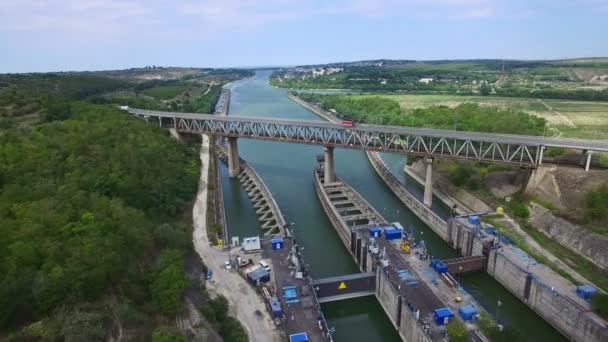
(165, 92)
(576, 119)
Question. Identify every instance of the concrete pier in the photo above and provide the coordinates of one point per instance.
(428, 183)
(588, 162)
(266, 208)
(330, 171)
(234, 167)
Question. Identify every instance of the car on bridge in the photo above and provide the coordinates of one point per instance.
(347, 123)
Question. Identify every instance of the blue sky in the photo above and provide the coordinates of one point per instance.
(55, 35)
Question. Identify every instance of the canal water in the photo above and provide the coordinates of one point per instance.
(287, 170)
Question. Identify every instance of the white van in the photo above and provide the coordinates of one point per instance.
(265, 265)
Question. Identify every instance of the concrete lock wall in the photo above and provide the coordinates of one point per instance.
(388, 296)
(568, 317)
(563, 314)
(463, 239)
(477, 247)
(507, 274)
(410, 329)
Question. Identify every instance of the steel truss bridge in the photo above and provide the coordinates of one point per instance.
(524, 151)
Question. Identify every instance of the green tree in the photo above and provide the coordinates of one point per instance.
(57, 108)
(596, 202)
(166, 334)
(457, 331)
(485, 89)
(600, 304)
(169, 283)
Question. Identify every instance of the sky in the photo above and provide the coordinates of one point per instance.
(62, 35)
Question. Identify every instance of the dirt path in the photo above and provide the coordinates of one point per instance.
(245, 304)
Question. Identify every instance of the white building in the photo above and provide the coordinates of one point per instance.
(251, 244)
(425, 80)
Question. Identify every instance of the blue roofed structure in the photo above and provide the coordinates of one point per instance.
(299, 337)
(467, 312)
(586, 291)
(443, 315)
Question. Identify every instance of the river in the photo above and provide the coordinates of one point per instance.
(287, 170)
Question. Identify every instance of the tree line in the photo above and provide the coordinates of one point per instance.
(464, 117)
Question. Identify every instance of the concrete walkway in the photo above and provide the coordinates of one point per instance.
(245, 304)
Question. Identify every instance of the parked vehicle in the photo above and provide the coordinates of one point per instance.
(209, 275)
(347, 123)
(265, 265)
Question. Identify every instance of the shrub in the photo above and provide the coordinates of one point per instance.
(166, 334)
(596, 202)
(553, 152)
(600, 304)
(457, 331)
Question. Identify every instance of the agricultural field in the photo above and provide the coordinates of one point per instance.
(165, 92)
(575, 119)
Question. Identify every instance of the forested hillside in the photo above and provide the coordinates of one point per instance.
(89, 228)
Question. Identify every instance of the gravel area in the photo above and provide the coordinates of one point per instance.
(245, 304)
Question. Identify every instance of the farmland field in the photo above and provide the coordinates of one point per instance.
(576, 119)
(165, 92)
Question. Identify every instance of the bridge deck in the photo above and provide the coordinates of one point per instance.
(519, 150)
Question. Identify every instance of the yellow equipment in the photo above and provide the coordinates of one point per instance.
(220, 243)
(500, 211)
(405, 247)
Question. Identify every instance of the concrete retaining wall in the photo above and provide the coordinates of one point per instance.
(591, 246)
(397, 311)
(563, 314)
(317, 110)
(436, 223)
(409, 328)
(388, 296)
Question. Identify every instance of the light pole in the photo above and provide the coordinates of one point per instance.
(459, 270)
(498, 304)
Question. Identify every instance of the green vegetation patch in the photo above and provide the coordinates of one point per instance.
(86, 205)
(216, 313)
(464, 117)
(165, 92)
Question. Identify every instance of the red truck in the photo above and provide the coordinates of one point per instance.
(348, 123)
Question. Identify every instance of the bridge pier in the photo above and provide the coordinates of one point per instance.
(234, 167)
(588, 162)
(428, 183)
(330, 171)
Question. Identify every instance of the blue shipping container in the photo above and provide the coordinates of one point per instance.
(440, 267)
(467, 312)
(277, 312)
(392, 234)
(375, 232)
(474, 220)
(443, 315)
(586, 291)
(277, 243)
